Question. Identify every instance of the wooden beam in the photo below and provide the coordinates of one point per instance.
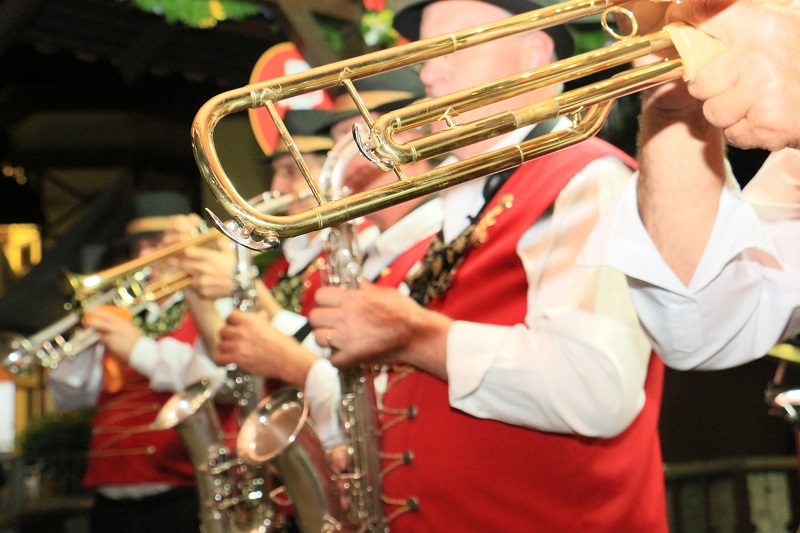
(346, 10)
(305, 32)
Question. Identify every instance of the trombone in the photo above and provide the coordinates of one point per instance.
(587, 107)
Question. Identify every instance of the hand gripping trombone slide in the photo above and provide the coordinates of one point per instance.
(686, 50)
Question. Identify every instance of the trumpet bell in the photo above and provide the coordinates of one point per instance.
(19, 357)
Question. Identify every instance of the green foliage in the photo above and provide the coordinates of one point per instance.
(56, 433)
(199, 13)
(588, 38)
(376, 26)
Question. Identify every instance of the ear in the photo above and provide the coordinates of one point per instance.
(540, 47)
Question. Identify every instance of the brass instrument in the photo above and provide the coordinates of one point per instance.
(586, 106)
(358, 409)
(67, 337)
(233, 496)
(123, 286)
(128, 278)
(279, 431)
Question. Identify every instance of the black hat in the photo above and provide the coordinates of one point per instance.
(307, 128)
(408, 15)
(381, 93)
(151, 211)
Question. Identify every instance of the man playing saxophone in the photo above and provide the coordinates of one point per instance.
(514, 373)
(405, 230)
(143, 479)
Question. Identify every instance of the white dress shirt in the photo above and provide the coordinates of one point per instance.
(745, 294)
(579, 361)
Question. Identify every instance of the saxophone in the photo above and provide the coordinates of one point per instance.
(234, 496)
(326, 498)
(361, 478)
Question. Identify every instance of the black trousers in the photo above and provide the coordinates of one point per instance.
(175, 511)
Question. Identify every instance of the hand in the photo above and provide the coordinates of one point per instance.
(377, 324)
(117, 332)
(751, 90)
(250, 342)
(182, 227)
(211, 271)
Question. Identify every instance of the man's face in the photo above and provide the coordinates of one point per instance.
(472, 66)
(287, 179)
(146, 245)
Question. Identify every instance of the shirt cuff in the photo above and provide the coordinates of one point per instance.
(145, 356)
(621, 241)
(323, 392)
(471, 348)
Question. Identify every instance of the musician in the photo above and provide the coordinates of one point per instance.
(714, 272)
(143, 479)
(405, 231)
(286, 288)
(523, 396)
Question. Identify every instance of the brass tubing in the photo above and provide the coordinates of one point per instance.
(258, 227)
(340, 210)
(433, 110)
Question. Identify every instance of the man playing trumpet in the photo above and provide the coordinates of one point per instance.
(142, 478)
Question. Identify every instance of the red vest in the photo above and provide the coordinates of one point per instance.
(310, 280)
(123, 451)
(448, 471)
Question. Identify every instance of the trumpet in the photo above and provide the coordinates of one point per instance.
(128, 279)
(124, 286)
(587, 107)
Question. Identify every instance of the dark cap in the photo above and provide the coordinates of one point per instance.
(408, 15)
(381, 93)
(307, 128)
(151, 211)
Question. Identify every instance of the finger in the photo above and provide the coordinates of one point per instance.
(236, 317)
(744, 134)
(323, 318)
(717, 77)
(696, 12)
(727, 109)
(329, 296)
(341, 359)
(324, 337)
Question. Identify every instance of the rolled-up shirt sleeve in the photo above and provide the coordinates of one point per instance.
(579, 362)
(745, 294)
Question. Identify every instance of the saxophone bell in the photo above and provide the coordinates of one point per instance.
(280, 433)
(234, 497)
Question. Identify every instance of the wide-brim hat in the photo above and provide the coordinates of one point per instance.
(150, 213)
(307, 128)
(381, 93)
(408, 15)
